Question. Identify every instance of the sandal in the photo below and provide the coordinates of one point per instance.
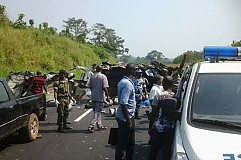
(102, 128)
(90, 129)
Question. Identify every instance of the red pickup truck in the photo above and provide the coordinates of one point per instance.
(20, 116)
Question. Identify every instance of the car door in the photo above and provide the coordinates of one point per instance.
(8, 112)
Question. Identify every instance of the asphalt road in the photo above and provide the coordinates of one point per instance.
(76, 144)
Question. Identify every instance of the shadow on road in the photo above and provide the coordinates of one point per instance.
(68, 131)
(9, 141)
(141, 151)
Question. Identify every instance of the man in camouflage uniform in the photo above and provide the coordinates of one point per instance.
(61, 96)
(140, 91)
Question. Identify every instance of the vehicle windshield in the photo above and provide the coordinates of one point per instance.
(217, 97)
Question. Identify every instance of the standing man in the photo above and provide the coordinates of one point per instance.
(161, 127)
(61, 97)
(98, 84)
(140, 91)
(157, 89)
(125, 115)
(38, 84)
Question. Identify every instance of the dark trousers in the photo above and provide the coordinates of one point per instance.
(138, 105)
(126, 141)
(161, 141)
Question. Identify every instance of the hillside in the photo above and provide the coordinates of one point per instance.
(32, 49)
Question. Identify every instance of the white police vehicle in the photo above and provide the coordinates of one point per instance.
(209, 119)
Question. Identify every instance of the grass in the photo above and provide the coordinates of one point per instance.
(31, 50)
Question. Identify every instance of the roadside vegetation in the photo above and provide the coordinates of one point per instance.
(24, 47)
(32, 50)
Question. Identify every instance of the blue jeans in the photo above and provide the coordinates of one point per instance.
(126, 140)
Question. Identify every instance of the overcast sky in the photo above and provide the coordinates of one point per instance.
(169, 26)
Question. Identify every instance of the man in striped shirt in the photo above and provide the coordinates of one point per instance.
(39, 84)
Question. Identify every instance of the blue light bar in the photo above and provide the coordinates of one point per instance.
(212, 53)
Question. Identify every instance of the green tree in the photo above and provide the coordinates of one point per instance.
(126, 59)
(2, 11)
(31, 22)
(65, 32)
(19, 23)
(98, 32)
(52, 30)
(112, 42)
(77, 28)
(107, 38)
(236, 43)
(155, 55)
(192, 57)
(45, 25)
(40, 26)
(3, 18)
(126, 50)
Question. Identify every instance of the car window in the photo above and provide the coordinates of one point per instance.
(3, 94)
(217, 95)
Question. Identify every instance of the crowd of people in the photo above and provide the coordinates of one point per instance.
(132, 91)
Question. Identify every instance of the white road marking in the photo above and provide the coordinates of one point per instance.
(83, 115)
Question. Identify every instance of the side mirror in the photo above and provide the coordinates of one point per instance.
(170, 107)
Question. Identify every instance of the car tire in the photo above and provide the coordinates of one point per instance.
(30, 131)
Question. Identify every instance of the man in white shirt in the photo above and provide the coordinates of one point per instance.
(157, 87)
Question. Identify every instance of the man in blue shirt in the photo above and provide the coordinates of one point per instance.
(125, 115)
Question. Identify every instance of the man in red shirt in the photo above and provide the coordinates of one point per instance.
(39, 84)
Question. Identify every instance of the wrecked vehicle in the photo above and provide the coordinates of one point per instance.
(20, 82)
(115, 73)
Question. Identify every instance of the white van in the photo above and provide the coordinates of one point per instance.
(209, 119)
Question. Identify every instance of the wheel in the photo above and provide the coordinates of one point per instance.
(30, 132)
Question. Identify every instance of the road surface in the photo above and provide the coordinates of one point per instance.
(76, 144)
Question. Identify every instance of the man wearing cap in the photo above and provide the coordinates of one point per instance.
(61, 97)
(125, 115)
(140, 91)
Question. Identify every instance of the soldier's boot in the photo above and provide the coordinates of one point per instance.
(61, 129)
(67, 127)
(68, 122)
